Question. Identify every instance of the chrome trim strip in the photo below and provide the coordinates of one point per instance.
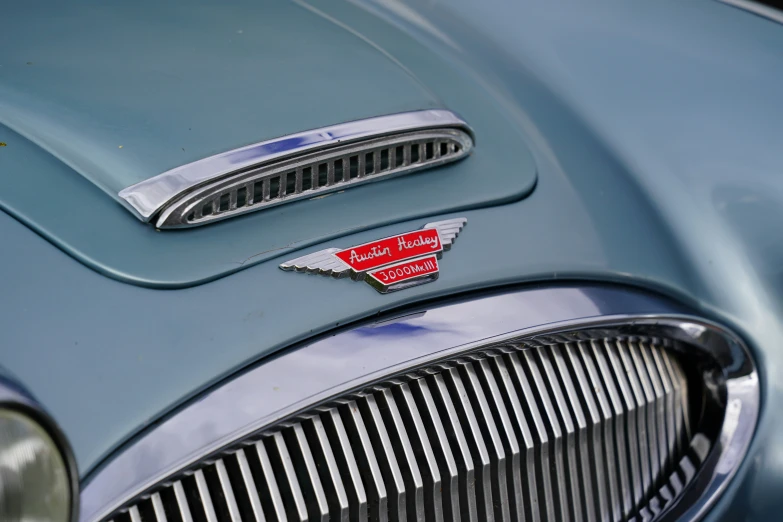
(756, 8)
(356, 357)
(149, 196)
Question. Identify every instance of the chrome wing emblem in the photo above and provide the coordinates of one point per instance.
(388, 264)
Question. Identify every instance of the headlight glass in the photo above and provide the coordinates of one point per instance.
(34, 483)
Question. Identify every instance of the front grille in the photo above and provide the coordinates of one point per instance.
(316, 174)
(555, 428)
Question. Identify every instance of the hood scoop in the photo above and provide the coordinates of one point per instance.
(300, 166)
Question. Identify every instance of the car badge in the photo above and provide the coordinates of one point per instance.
(389, 264)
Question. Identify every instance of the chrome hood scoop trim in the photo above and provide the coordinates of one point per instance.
(298, 166)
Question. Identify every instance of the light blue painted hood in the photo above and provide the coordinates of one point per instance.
(96, 96)
(123, 91)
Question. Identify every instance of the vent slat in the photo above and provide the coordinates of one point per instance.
(460, 449)
(649, 407)
(414, 485)
(368, 465)
(426, 457)
(349, 468)
(528, 473)
(572, 498)
(631, 421)
(134, 514)
(334, 488)
(250, 485)
(499, 473)
(275, 499)
(478, 446)
(266, 189)
(586, 461)
(558, 447)
(182, 502)
(545, 478)
(157, 507)
(636, 396)
(206, 498)
(508, 437)
(228, 491)
(597, 415)
(646, 367)
(390, 468)
(544, 433)
(441, 448)
(287, 480)
(670, 413)
(315, 496)
(621, 459)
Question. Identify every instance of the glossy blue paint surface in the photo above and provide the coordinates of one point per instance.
(117, 94)
(655, 129)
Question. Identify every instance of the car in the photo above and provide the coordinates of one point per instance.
(390, 260)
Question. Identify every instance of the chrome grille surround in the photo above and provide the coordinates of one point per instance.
(316, 174)
(697, 478)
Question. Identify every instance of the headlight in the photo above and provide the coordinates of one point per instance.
(37, 476)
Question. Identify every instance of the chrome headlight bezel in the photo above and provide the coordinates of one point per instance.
(13, 397)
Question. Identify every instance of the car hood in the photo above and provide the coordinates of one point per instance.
(119, 93)
(122, 92)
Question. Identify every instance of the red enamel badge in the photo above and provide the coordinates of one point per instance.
(388, 264)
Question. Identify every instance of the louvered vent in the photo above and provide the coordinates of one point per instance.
(315, 174)
(548, 430)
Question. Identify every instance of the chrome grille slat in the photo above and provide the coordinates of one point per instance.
(134, 514)
(633, 437)
(478, 447)
(425, 457)
(157, 507)
(182, 502)
(621, 457)
(323, 459)
(441, 449)
(291, 493)
(369, 471)
(460, 449)
(250, 486)
(556, 450)
(545, 480)
(592, 395)
(392, 474)
(648, 399)
(330, 171)
(571, 479)
(313, 490)
(403, 450)
(524, 436)
(508, 437)
(272, 492)
(554, 430)
(637, 397)
(647, 365)
(206, 498)
(585, 460)
(228, 491)
(498, 462)
(668, 406)
(346, 462)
